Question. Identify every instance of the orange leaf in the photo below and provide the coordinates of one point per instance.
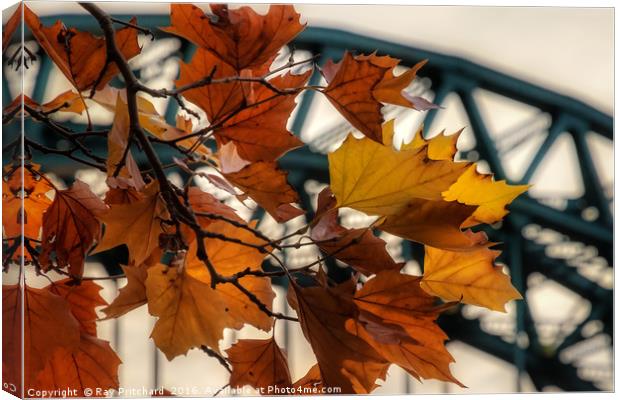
(240, 37)
(259, 131)
(398, 320)
(81, 56)
(121, 191)
(70, 228)
(48, 325)
(68, 101)
(191, 313)
(357, 247)
(259, 363)
(35, 201)
(263, 181)
(93, 366)
(435, 223)
(345, 360)
(82, 300)
(132, 295)
(137, 225)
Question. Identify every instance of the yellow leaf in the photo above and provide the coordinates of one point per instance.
(491, 196)
(377, 179)
(471, 277)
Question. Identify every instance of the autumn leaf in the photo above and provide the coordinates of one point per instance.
(215, 99)
(259, 131)
(470, 277)
(137, 225)
(191, 313)
(311, 380)
(81, 56)
(70, 228)
(122, 191)
(48, 325)
(357, 86)
(263, 181)
(260, 363)
(491, 196)
(150, 120)
(345, 360)
(35, 201)
(203, 202)
(398, 320)
(377, 179)
(240, 37)
(359, 248)
(90, 369)
(68, 101)
(82, 300)
(132, 295)
(435, 223)
(120, 162)
(439, 147)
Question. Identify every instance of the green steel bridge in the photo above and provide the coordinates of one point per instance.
(582, 225)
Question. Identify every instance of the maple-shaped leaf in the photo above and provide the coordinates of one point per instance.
(89, 370)
(491, 196)
(240, 37)
(470, 277)
(136, 225)
(70, 228)
(345, 360)
(33, 191)
(82, 299)
(203, 202)
(120, 162)
(439, 147)
(435, 223)
(263, 181)
(191, 313)
(215, 99)
(260, 363)
(48, 325)
(81, 56)
(357, 86)
(259, 130)
(359, 248)
(398, 319)
(132, 295)
(378, 180)
(68, 101)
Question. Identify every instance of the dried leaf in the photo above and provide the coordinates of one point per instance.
(471, 277)
(259, 363)
(132, 295)
(70, 228)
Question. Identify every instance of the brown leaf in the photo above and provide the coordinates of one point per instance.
(359, 248)
(264, 182)
(70, 228)
(132, 295)
(48, 325)
(82, 300)
(435, 223)
(398, 319)
(345, 360)
(240, 37)
(259, 130)
(10, 27)
(68, 101)
(81, 56)
(137, 225)
(259, 363)
(93, 366)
